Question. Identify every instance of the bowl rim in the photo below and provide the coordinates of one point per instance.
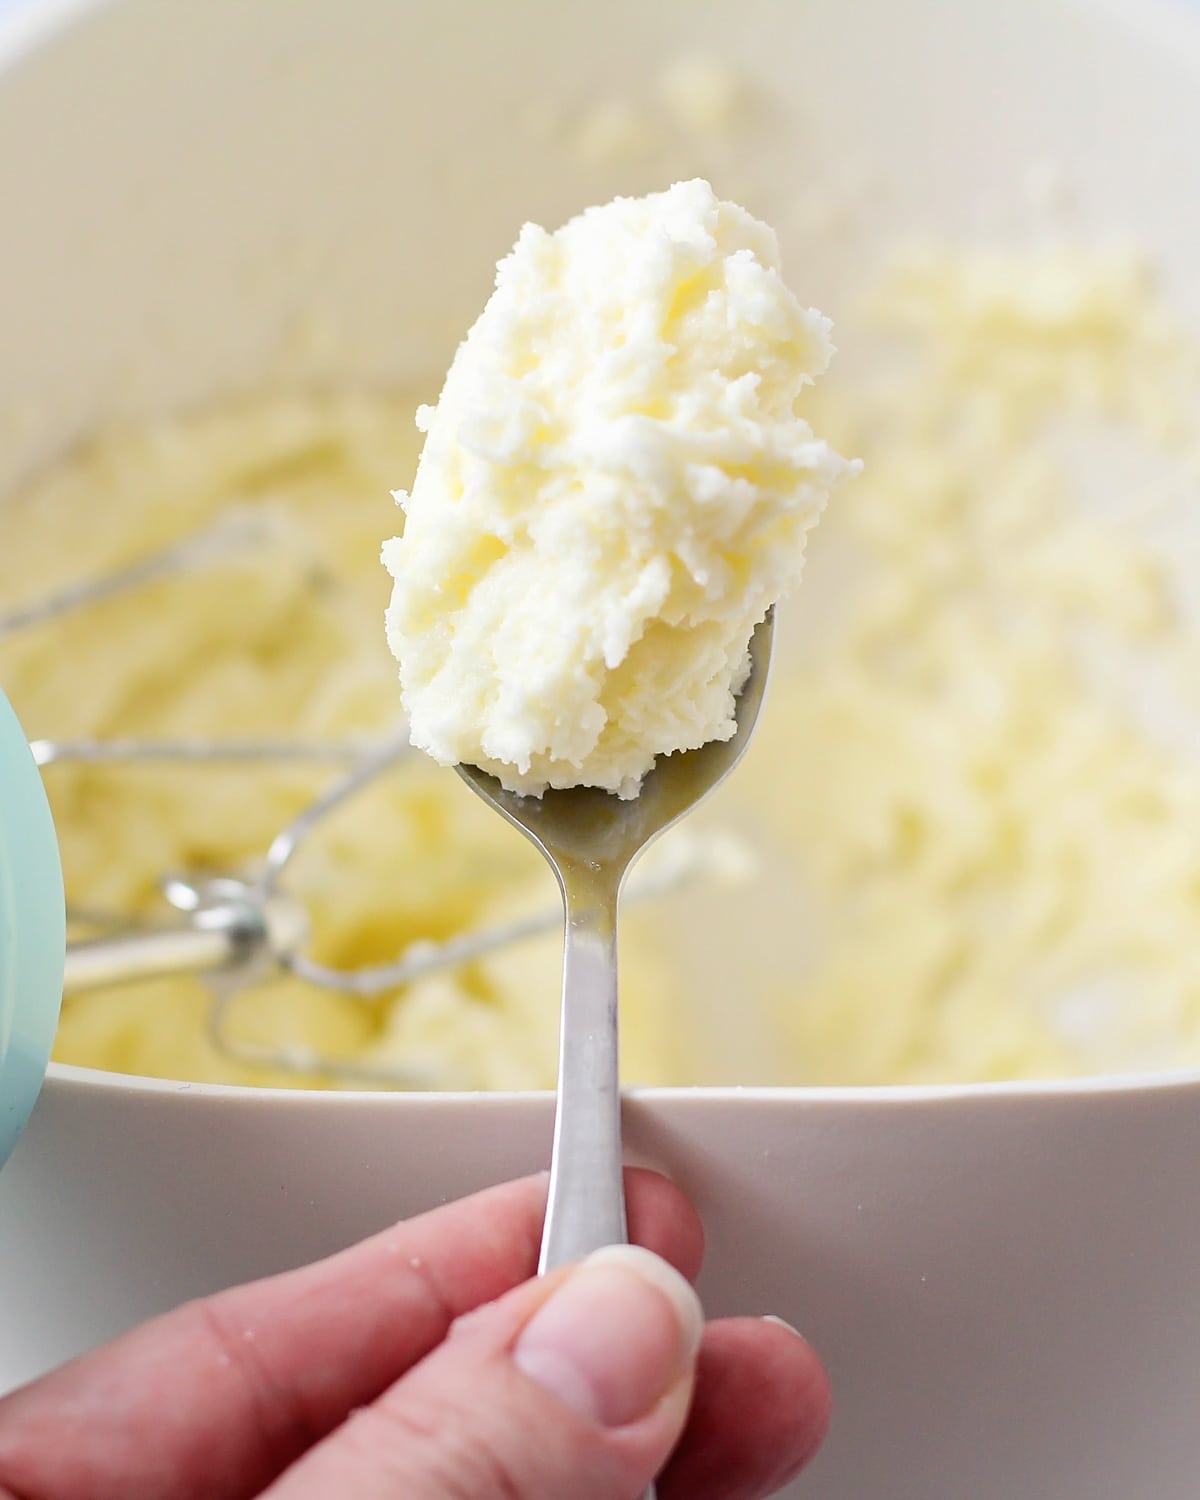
(74, 1079)
(1170, 26)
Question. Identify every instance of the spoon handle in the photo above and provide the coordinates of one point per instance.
(586, 1205)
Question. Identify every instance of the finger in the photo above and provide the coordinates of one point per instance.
(759, 1413)
(659, 1218)
(577, 1385)
(215, 1399)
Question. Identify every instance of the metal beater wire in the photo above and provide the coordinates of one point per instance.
(367, 761)
(114, 752)
(421, 958)
(222, 969)
(221, 540)
(285, 844)
(302, 1060)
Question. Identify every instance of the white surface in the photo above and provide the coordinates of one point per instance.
(1002, 1281)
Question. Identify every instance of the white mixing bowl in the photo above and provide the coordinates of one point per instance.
(1002, 1279)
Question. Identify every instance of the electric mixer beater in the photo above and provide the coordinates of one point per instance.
(231, 929)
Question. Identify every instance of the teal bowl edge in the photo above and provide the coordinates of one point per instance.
(32, 931)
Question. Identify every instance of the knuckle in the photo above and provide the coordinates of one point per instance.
(278, 1414)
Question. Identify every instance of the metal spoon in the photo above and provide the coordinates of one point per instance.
(591, 839)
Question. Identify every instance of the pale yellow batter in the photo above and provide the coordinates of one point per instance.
(986, 761)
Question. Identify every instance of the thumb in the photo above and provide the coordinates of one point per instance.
(577, 1384)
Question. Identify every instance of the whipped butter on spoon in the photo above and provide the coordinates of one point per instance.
(614, 489)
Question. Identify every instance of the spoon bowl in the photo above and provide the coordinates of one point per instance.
(584, 825)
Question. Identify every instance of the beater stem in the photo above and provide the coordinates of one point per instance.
(231, 934)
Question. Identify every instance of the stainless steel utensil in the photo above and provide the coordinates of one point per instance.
(591, 840)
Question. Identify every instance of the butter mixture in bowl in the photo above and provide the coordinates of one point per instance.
(971, 803)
